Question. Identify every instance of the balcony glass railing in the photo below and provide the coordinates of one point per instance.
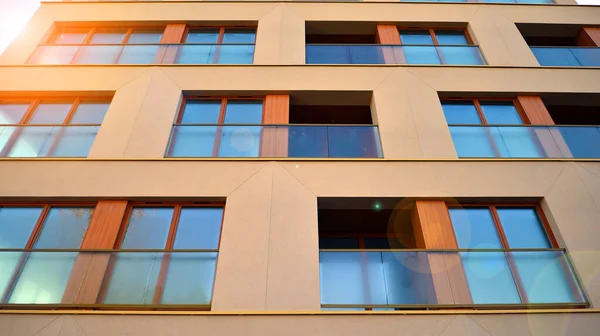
(567, 56)
(393, 54)
(401, 279)
(47, 141)
(144, 54)
(42, 278)
(300, 141)
(526, 141)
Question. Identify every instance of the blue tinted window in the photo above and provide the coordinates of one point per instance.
(202, 36)
(415, 37)
(108, 37)
(16, 225)
(243, 112)
(89, 113)
(143, 37)
(64, 228)
(193, 141)
(201, 112)
(451, 37)
(69, 38)
(500, 113)
(198, 228)
(50, 113)
(523, 228)
(458, 112)
(474, 228)
(421, 55)
(148, 228)
(12, 113)
(238, 36)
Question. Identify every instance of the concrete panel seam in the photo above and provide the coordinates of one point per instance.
(251, 176)
(78, 325)
(421, 79)
(270, 10)
(591, 172)
(499, 34)
(585, 185)
(133, 79)
(269, 239)
(295, 12)
(410, 104)
(171, 78)
(447, 325)
(47, 324)
(472, 320)
(296, 178)
(553, 183)
(386, 77)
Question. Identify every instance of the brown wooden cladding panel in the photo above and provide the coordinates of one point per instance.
(274, 141)
(173, 33)
(589, 37)
(535, 110)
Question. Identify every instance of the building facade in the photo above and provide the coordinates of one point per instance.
(301, 168)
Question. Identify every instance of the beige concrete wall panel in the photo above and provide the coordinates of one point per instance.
(554, 324)
(293, 276)
(19, 51)
(384, 12)
(427, 179)
(500, 41)
(67, 78)
(150, 134)
(432, 128)
(392, 112)
(126, 105)
(571, 208)
(24, 325)
(585, 15)
(280, 37)
(590, 176)
(242, 266)
(123, 179)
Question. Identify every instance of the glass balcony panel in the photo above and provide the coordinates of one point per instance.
(31, 141)
(308, 141)
(547, 277)
(190, 278)
(97, 54)
(368, 54)
(328, 54)
(421, 55)
(558, 56)
(461, 55)
(43, 278)
(193, 141)
(473, 141)
(235, 54)
(134, 278)
(8, 266)
(535, 1)
(518, 142)
(53, 54)
(353, 142)
(195, 54)
(138, 54)
(406, 277)
(489, 277)
(239, 141)
(583, 142)
(12, 113)
(74, 141)
(497, 141)
(587, 56)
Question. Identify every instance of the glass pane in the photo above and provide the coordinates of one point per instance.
(64, 228)
(451, 37)
(53, 54)
(518, 142)
(523, 228)
(201, 112)
(190, 278)
(134, 277)
(415, 37)
(193, 141)
(16, 225)
(353, 142)
(12, 113)
(115, 37)
(144, 37)
(407, 277)
(195, 54)
(138, 54)
(8, 264)
(44, 278)
(308, 141)
(239, 36)
(474, 228)
(235, 54)
(501, 113)
(73, 141)
(148, 228)
(89, 113)
(547, 277)
(32, 141)
(369, 54)
(475, 141)
(583, 142)
(198, 228)
(461, 55)
(587, 56)
(202, 36)
(239, 141)
(559, 56)
(243, 112)
(338, 243)
(327, 54)
(460, 112)
(421, 55)
(69, 38)
(97, 55)
(47, 113)
(489, 277)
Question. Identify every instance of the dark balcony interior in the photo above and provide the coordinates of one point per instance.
(341, 32)
(573, 109)
(331, 108)
(547, 35)
(368, 223)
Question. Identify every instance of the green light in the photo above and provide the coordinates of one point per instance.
(377, 206)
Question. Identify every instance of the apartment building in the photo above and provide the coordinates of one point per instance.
(301, 168)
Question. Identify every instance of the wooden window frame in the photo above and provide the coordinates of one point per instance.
(477, 102)
(31, 110)
(170, 240)
(220, 121)
(221, 32)
(434, 36)
(35, 234)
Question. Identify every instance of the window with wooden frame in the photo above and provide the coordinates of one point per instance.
(50, 127)
(438, 46)
(531, 269)
(217, 127)
(217, 45)
(492, 128)
(33, 269)
(166, 255)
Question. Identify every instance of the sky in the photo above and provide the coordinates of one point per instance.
(14, 14)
